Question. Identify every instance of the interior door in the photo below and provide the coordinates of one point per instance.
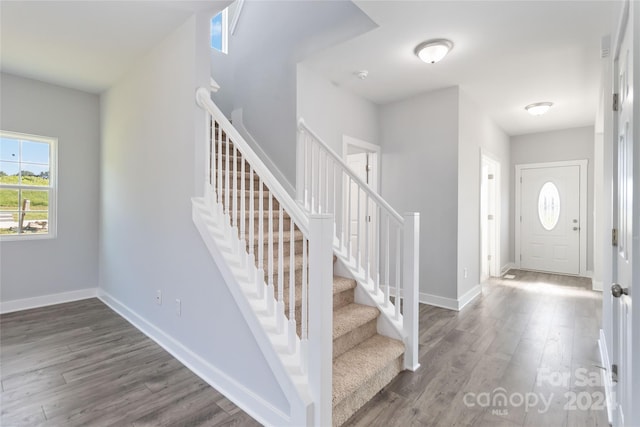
(627, 219)
(550, 219)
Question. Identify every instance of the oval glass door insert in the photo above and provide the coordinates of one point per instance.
(549, 206)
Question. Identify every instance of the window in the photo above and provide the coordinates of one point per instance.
(27, 186)
(220, 31)
(549, 206)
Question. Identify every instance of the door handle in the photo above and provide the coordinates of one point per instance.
(617, 291)
(576, 228)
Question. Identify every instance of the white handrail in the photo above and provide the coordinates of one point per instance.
(204, 100)
(302, 126)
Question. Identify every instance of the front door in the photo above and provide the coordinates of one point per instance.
(627, 223)
(550, 218)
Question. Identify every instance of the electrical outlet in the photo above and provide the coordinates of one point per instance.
(159, 297)
(466, 273)
(178, 307)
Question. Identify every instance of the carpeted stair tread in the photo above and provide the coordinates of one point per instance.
(352, 369)
(286, 236)
(352, 317)
(341, 284)
(338, 287)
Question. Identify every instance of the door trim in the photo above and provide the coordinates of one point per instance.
(364, 146)
(497, 209)
(583, 206)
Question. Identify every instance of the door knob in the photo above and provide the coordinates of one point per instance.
(617, 291)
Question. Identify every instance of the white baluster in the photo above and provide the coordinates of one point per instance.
(234, 184)
(243, 213)
(398, 267)
(367, 224)
(260, 277)
(313, 180)
(251, 225)
(292, 287)
(348, 210)
(270, 289)
(386, 263)
(304, 328)
(320, 196)
(326, 185)
(280, 311)
(227, 173)
(219, 144)
(358, 232)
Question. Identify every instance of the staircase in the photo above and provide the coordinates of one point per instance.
(266, 245)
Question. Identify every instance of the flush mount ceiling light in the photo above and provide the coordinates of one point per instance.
(433, 51)
(539, 108)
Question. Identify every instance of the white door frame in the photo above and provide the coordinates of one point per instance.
(348, 141)
(495, 206)
(583, 206)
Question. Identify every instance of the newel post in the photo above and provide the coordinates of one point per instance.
(321, 316)
(300, 163)
(410, 287)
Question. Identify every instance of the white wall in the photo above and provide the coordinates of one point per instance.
(148, 241)
(36, 268)
(478, 134)
(419, 138)
(333, 112)
(259, 73)
(568, 144)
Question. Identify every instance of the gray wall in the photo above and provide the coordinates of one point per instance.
(148, 241)
(478, 134)
(568, 144)
(419, 138)
(259, 73)
(333, 112)
(70, 261)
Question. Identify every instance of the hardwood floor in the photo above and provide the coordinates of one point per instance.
(531, 339)
(80, 364)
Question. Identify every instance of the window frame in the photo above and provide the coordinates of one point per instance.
(224, 32)
(52, 188)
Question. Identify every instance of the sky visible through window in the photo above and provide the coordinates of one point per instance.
(33, 158)
(216, 32)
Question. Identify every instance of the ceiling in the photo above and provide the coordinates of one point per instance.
(86, 45)
(506, 54)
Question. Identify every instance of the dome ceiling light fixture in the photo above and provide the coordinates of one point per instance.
(538, 108)
(434, 50)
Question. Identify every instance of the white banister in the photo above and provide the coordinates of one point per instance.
(321, 314)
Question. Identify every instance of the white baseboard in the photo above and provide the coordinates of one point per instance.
(451, 303)
(236, 118)
(248, 401)
(438, 301)
(469, 296)
(507, 267)
(45, 300)
(606, 373)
